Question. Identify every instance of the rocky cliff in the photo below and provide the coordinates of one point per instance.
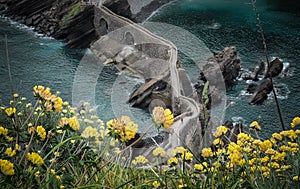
(73, 20)
(69, 20)
(135, 10)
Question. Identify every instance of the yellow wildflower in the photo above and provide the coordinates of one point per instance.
(62, 123)
(294, 150)
(16, 95)
(199, 167)
(255, 125)
(56, 154)
(28, 105)
(270, 151)
(10, 152)
(156, 184)
(296, 178)
(286, 167)
(36, 174)
(3, 131)
(41, 132)
(52, 171)
(187, 156)
(163, 116)
(266, 174)
(74, 124)
(169, 119)
(295, 122)
(66, 103)
(8, 138)
(274, 165)
(292, 135)
(62, 187)
(265, 145)
(178, 151)
(277, 136)
(206, 152)
(18, 147)
(89, 132)
(158, 115)
(236, 158)
(57, 104)
(279, 156)
(182, 185)
(159, 152)
(35, 158)
(140, 160)
(123, 129)
(23, 98)
(218, 141)
(285, 148)
(88, 121)
(293, 144)
(10, 111)
(172, 161)
(221, 130)
(7, 167)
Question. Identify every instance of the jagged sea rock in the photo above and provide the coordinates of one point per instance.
(262, 91)
(276, 67)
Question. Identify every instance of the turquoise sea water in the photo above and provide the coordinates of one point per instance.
(237, 25)
(34, 60)
(37, 60)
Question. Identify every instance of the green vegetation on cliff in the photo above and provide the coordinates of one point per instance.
(48, 144)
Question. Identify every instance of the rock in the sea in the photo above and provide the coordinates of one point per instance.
(226, 63)
(275, 68)
(262, 92)
(229, 64)
(259, 70)
(251, 88)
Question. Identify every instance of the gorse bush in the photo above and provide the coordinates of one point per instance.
(49, 144)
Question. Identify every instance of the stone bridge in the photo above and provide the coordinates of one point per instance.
(140, 53)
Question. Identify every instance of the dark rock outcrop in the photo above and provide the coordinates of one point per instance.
(134, 10)
(79, 31)
(262, 91)
(276, 67)
(73, 20)
(153, 89)
(69, 20)
(229, 63)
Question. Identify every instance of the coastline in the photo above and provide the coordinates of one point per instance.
(71, 21)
